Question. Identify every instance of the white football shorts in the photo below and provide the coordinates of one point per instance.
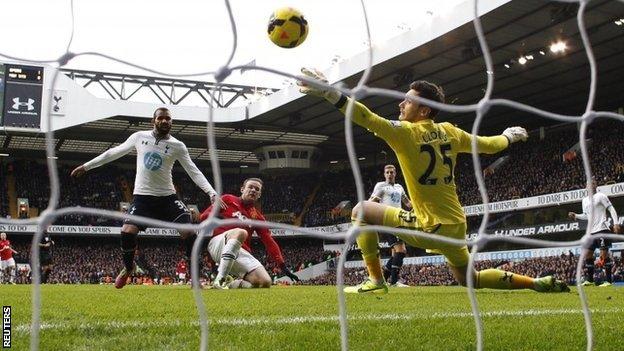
(245, 262)
(4, 264)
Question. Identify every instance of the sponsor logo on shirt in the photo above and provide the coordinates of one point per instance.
(396, 197)
(152, 161)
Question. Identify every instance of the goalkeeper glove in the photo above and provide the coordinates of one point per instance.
(288, 273)
(515, 134)
(331, 95)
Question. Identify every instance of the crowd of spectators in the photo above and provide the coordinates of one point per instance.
(4, 200)
(337, 186)
(562, 267)
(100, 189)
(530, 167)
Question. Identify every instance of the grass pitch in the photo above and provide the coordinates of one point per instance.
(96, 317)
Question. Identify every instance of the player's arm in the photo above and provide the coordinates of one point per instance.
(377, 193)
(490, 144)
(106, 157)
(274, 251)
(362, 116)
(406, 201)
(196, 175)
(581, 216)
(614, 217)
(204, 215)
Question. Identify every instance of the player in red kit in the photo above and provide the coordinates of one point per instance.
(230, 245)
(7, 263)
(181, 270)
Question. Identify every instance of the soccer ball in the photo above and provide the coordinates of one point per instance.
(287, 27)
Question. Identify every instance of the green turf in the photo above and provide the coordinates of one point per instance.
(94, 317)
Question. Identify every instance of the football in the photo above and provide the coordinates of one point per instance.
(287, 27)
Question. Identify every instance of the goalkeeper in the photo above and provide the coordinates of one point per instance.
(427, 152)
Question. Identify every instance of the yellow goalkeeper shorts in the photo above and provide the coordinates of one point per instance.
(456, 256)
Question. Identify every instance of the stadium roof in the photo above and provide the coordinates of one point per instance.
(556, 82)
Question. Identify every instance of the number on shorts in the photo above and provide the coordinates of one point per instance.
(181, 205)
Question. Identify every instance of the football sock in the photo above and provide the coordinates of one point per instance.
(498, 279)
(228, 256)
(142, 262)
(368, 242)
(387, 269)
(12, 276)
(44, 276)
(608, 267)
(589, 269)
(397, 263)
(128, 245)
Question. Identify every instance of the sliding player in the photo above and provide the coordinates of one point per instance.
(230, 245)
(426, 151)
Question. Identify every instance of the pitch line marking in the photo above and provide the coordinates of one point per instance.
(25, 328)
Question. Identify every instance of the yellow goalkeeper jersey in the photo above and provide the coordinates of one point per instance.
(427, 152)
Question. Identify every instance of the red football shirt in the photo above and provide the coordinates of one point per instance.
(181, 268)
(237, 209)
(5, 250)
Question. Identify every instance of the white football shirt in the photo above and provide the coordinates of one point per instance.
(601, 203)
(390, 194)
(154, 162)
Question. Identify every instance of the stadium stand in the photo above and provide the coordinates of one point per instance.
(522, 175)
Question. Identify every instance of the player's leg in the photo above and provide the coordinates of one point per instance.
(44, 274)
(589, 265)
(46, 267)
(457, 258)
(177, 212)
(398, 255)
(224, 249)
(608, 262)
(3, 272)
(187, 236)
(368, 242)
(12, 270)
(258, 278)
(253, 273)
(387, 268)
(129, 233)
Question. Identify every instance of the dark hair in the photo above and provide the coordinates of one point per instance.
(253, 179)
(429, 91)
(160, 109)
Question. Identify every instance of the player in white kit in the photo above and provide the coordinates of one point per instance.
(392, 194)
(154, 193)
(600, 203)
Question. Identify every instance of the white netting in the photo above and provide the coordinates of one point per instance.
(361, 90)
